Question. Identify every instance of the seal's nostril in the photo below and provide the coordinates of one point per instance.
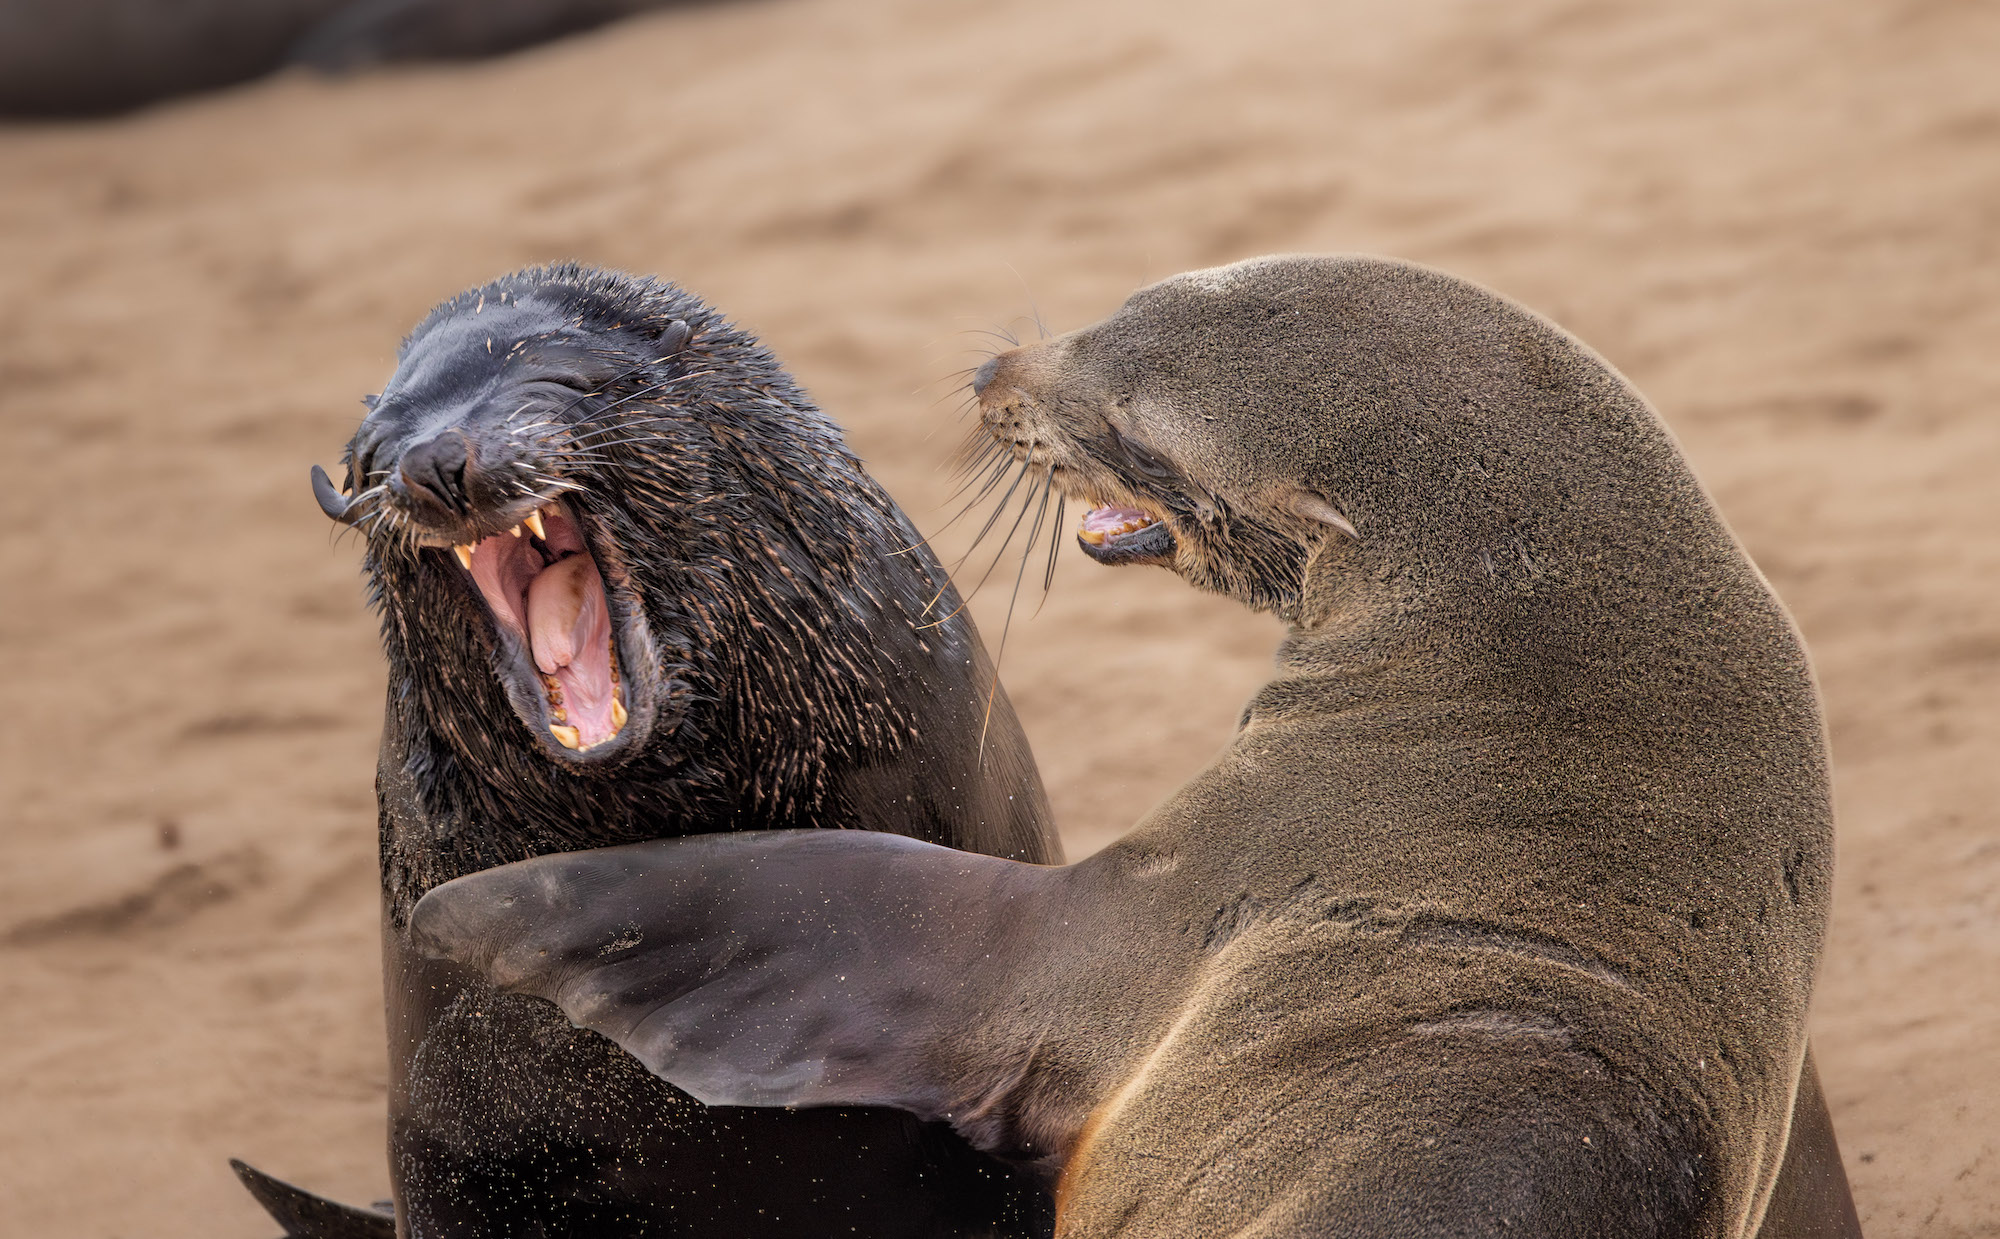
(435, 471)
(984, 375)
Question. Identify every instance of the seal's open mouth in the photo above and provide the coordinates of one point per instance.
(1114, 535)
(544, 589)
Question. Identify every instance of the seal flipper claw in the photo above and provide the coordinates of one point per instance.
(790, 968)
(307, 1216)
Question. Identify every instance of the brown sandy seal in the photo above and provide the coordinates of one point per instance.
(633, 584)
(1498, 916)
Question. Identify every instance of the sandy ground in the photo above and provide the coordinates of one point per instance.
(1780, 219)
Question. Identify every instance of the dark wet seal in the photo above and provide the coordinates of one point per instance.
(1500, 913)
(633, 584)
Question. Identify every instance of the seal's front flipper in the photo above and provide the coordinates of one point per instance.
(791, 968)
(306, 1216)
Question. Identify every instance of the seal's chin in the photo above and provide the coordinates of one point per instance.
(542, 584)
(1114, 535)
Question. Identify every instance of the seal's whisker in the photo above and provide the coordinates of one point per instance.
(604, 450)
(986, 479)
(1034, 311)
(616, 378)
(661, 418)
(968, 403)
(637, 430)
(965, 401)
(999, 510)
(621, 401)
(1055, 550)
(997, 333)
(953, 377)
(974, 463)
(1007, 627)
(992, 478)
(1027, 501)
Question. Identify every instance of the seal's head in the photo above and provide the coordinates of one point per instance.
(1152, 416)
(592, 502)
(1248, 425)
(478, 476)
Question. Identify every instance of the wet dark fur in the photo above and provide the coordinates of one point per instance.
(764, 556)
(794, 685)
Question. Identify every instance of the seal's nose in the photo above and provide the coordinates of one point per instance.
(984, 375)
(434, 473)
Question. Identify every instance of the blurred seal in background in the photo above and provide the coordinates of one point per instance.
(89, 57)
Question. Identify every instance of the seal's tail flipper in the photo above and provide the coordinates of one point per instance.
(793, 968)
(306, 1216)
(1810, 1199)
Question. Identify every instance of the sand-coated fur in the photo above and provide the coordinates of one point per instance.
(768, 603)
(1498, 916)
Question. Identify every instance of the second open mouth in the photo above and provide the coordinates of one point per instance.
(543, 586)
(1118, 535)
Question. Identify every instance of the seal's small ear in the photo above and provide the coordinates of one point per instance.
(1302, 502)
(673, 338)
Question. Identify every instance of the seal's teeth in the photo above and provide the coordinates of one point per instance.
(533, 521)
(568, 737)
(516, 531)
(618, 715)
(464, 554)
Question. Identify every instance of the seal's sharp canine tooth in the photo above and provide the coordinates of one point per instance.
(618, 715)
(568, 737)
(533, 521)
(464, 554)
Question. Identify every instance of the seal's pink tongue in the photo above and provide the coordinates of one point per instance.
(569, 633)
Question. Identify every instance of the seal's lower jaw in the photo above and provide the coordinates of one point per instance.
(558, 638)
(1113, 535)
